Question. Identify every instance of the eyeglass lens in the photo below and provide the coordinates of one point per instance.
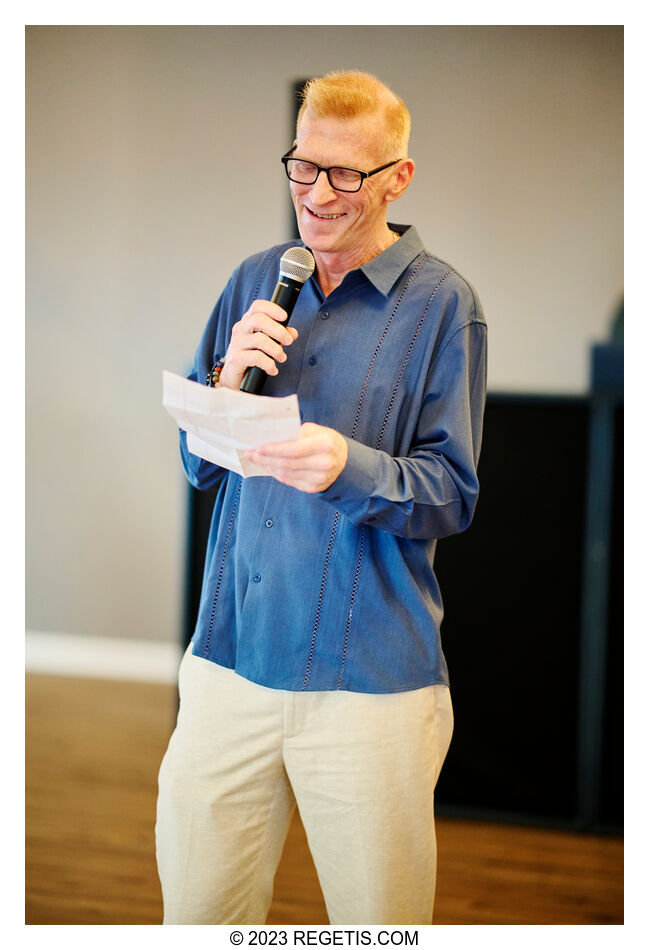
(344, 179)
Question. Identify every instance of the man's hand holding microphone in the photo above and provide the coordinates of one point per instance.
(257, 340)
(312, 462)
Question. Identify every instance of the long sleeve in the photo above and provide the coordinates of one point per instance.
(432, 492)
(213, 344)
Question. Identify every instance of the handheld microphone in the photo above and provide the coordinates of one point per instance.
(295, 268)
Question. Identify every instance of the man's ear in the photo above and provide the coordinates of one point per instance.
(400, 180)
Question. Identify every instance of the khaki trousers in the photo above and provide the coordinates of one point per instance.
(361, 766)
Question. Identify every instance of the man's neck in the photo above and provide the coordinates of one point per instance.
(332, 268)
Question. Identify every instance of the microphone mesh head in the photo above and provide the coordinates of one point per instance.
(297, 263)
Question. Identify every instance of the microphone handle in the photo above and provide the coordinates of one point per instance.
(285, 296)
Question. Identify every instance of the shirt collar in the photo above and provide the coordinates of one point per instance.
(385, 269)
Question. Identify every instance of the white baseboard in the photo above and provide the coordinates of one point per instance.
(63, 654)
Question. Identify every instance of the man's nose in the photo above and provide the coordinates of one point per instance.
(321, 188)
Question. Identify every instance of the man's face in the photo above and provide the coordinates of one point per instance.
(337, 222)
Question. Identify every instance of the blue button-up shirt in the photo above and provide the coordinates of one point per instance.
(337, 590)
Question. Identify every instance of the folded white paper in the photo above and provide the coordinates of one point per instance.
(222, 423)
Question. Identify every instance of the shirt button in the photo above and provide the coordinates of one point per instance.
(257, 578)
(325, 315)
(270, 523)
(313, 360)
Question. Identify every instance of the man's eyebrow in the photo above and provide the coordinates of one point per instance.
(335, 165)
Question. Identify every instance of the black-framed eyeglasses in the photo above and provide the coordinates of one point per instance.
(340, 178)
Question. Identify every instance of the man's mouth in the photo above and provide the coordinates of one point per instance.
(324, 217)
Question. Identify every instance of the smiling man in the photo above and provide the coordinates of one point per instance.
(316, 674)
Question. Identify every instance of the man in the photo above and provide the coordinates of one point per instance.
(316, 673)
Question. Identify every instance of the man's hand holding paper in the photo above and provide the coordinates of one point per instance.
(222, 423)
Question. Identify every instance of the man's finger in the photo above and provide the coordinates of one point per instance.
(295, 449)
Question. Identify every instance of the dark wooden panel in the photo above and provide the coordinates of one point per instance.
(512, 593)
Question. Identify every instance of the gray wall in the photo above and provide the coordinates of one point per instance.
(153, 168)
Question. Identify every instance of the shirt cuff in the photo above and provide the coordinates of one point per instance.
(357, 481)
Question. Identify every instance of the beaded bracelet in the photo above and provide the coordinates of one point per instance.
(214, 374)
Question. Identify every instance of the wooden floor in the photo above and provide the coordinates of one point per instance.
(93, 751)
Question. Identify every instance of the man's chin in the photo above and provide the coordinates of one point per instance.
(322, 243)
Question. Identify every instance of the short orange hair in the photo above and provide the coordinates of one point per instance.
(351, 93)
